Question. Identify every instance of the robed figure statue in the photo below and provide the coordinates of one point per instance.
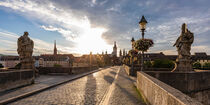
(183, 45)
(25, 51)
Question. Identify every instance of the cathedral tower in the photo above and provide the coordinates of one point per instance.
(114, 53)
(55, 49)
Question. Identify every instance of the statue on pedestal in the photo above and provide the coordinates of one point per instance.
(25, 51)
(183, 45)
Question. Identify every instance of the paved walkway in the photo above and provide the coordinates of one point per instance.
(123, 91)
(111, 86)
(41, 83)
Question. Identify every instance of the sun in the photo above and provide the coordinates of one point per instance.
(92, 41)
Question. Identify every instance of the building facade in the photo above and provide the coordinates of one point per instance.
(9, 61)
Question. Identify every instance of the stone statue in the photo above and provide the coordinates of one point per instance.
(25, 51)
(183, 45)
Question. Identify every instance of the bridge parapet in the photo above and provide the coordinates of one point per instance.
(156, 92)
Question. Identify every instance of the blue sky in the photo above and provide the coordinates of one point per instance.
(81, 26)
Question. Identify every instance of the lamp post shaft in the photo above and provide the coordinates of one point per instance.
(142, 55)
(143, 33)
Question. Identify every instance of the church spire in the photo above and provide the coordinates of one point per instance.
(55, 49)
(115, 46)
(120, 53)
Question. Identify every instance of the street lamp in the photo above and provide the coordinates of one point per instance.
(132, 55)
(142, 25)
(132, 43)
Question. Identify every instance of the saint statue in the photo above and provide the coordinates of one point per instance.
(25, 51)
(183, 45)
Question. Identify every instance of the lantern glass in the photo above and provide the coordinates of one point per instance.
(142, 25)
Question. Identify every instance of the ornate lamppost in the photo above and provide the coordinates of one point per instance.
(142, 25)
(132, 55)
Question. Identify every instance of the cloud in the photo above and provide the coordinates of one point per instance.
(115, 8)
(71, 26)
(66, 33)
(94, 1)
(74, 18)
(9, 45)
(201, 48)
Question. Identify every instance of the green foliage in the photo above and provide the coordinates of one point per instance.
(143, 44)
(148, 64)
(197, 65)
(163, 63)
(1, 66)
(100, 62)
(18, 66)
(57, 65)
(206, 65)
(133, 52)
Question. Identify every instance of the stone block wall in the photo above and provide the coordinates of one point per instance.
(127, 69)
(15, 78)
(47, 70)
(194, 84)
(156, 92)
(137, 68)
(78, 70)
(72, 70)
(185, 82)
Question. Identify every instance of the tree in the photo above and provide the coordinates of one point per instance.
(1, 66)
(57, 65)
(197, 65)
(18, 66)
(99, 61)
(148, 64)
(206, 65)
(163, 63)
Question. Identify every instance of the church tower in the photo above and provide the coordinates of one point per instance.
(123, 52)
(55, 49)
(120, 53)
(114, 53)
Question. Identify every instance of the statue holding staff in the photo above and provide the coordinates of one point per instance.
(183, 45)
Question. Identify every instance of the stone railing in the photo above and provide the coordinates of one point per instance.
(156, 92)
(47, 70)
(127, 69)
(137, 68)
(194, 84)
(158, 69)
(70, 70)
(15, 78)
(78, 70)
(186, 82)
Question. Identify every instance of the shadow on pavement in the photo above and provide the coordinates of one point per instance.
(90, 91)
(109, 79)
(112, 72)
(123, 87)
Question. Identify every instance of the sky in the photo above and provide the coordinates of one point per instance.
(81, 26)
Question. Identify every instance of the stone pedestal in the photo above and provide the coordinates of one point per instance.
(184, 65)
(27, 63)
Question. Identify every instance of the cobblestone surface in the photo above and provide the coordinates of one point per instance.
(124, 92)
(88, 90)
(40, 82)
